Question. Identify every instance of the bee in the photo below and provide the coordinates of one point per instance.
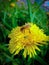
(25, 27)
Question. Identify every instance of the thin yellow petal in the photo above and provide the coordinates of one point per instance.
(36, 48)
(25, 53)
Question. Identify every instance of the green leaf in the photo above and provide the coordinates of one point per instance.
(39, 59)
(29, 10)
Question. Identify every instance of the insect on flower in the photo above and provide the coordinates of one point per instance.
(28, 37)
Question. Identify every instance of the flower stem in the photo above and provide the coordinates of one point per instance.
(40, 60)
(5, 23)
(29, 9)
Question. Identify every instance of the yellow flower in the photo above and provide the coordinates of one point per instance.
(28, 37)
(17, 0)
(12, 4)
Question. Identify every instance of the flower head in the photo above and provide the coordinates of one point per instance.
(12, 4)
(27, 37)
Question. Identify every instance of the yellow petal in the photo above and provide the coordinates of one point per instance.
(36, 48)
(25, 53)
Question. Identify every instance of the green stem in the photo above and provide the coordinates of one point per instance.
(39, 6)
(13, 22)
(4, 22)
(33, 61)
(10, 58)
(29, 61)
(36, 10)
(40, 60)
(29, 10)
(6, 55)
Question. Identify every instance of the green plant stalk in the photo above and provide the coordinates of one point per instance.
(6, 55)
(29, 61)
(29, 10)
(39, 59)
(13, 22)
(9, 27)
(39, 6)
(3, 32)
(36, 10)
(4, 22)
